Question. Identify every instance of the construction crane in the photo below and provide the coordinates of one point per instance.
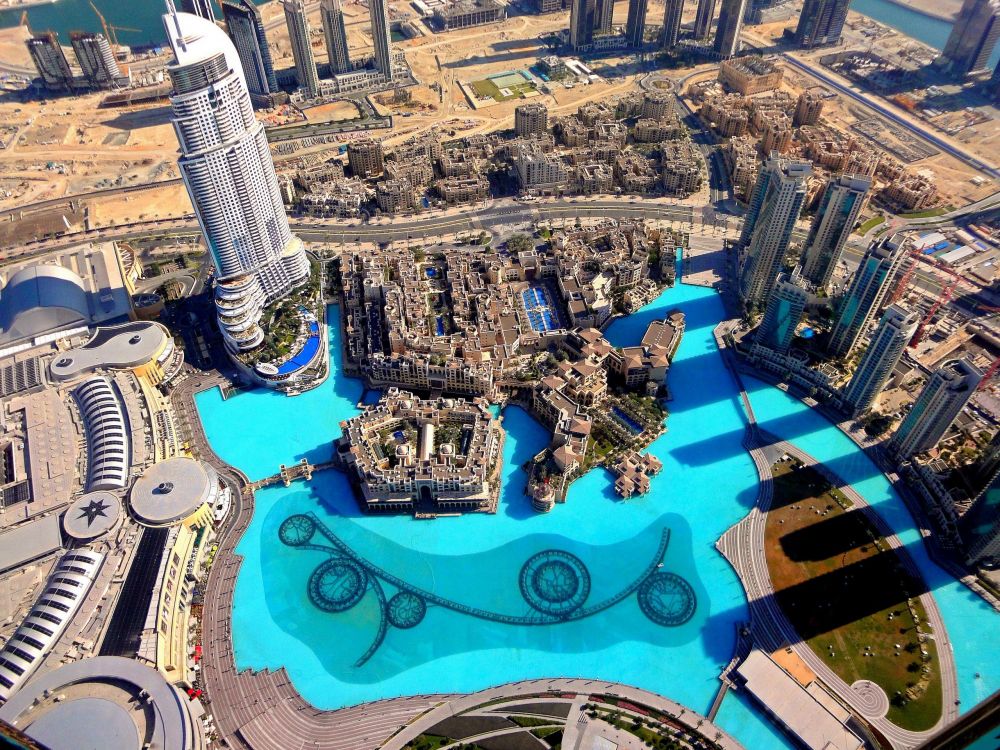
(943, 297)
(109, 31)
(990, 372)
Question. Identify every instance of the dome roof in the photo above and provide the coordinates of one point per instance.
(41, 299)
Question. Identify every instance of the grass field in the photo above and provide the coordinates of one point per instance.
(488, 88)
(870, 224)
(848, 595)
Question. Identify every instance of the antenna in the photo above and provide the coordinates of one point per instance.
(172, 11)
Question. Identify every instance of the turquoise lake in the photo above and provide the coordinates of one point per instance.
(446, 606)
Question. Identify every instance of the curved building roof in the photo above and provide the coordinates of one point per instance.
(92, 703)
(170, 491)
(91, 515)
(116, 347)
(40, 299)
(108, 447)
(194, 39)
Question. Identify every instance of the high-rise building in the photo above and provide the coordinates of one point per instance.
(203, 8)
(821, 22)
(808, 108)
(378, 13)
(366, 158)
(980, 526)
(635, 24)
(302, 51)
(784, 311)
(865, 295)
(96, 58)
(888, 343)
(604, 16)
(531, 119)
(332, 15)
(945, 394)
(50, 60)
(673, 10)
(839, 208)
(703, 18)
(582, 20)
(229, 175)
(994, 84)
(727, 33)
(767, 229)
(972, 38)
(246, 29)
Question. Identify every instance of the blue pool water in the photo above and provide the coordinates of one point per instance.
(625, 419)
(708, 483)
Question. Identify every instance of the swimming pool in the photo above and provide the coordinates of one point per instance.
(588, 550)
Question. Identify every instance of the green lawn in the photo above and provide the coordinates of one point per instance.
(928, 213)
(486, 89)
(848, 595)
(870, 224)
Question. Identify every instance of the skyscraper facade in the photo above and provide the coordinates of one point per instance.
(821, 22)
(635, 24)
(767, 229)
(582, 20)
(378, 12)
(604, 16)
(945, 394)
(727, 33)
(298, 34)
(227, 169)
(203, 8)
(839, 208)
(972, 38)
(96, 58)
(703, 18)
(894, 331)
(246, 29)
(50, 60)
(865, 295)
(980, 526)
(784, 311)
(332, 15)
(673, 10)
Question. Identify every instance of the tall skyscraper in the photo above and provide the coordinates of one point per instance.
(864, 297)
(767, 229)
(703, 18)
(994, 84)
(839, 208)
(980, 526)
(378, 12)
(880, 358)
(582, 20)
(972, 38)
(227, 169)
(635, 24)
(727, 33)
(302, 51)
(96, 58)
(821, 22)
(531, 119)
(946, 392)
(332, 15)
(246, 29)
(784, 311)
(673, 10)
(203, 8)
(50, 60)
(604, 16)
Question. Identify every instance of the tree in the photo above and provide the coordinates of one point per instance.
(519, 243)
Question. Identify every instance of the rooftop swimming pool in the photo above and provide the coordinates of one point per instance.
(359, 608)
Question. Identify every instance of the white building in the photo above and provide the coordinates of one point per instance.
(298, 34)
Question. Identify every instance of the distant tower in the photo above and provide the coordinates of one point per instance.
(298, 34)
(203, 8)
(531, 119)
(944, 396)
(703, 18)
(784, 311)
(842, 202)
(880, 358)
(980, 526)
(582, 20)
(864, 297)
(365, 158)
(808, 108)
(246, 29)
(821, 22)
(96, 58)
(378, 11)
(972, 38)
(635, 24)
(673, 10)
(227, 169)
(767, 229)
(727, 33)
(50, 60)
(332, 15)
(604, 16)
